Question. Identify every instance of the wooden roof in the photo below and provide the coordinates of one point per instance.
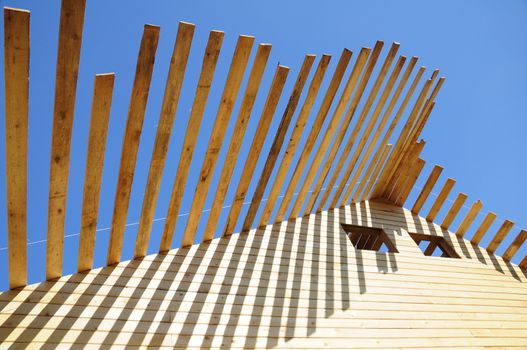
(346, 156)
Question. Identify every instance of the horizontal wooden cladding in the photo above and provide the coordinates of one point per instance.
(16, 77)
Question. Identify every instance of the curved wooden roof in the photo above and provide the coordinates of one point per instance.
(345, 157)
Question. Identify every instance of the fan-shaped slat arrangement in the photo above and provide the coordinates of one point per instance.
(338, 149)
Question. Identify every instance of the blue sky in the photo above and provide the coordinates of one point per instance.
(476, 131)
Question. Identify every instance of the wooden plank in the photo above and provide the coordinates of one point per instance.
(208, 67)
(132, 135)
(335, 120)
(405, 171)
(313, 89)
(356, 128)
(314, 132)
(372, 121)
(251, 92)
(523, 263)
(16, 78)
(273, 97)
(454, 210)
(68, 56)
(469, 219)
(230, 91)
(176, 73)
(427, 188)
(354, 76)
(378, 166)
(499, 236)
(483, 228)
(412, 179)
(440, 200)
(391, 129)
(380, 128)
(277, 142)
(100, 115)
(515, 245)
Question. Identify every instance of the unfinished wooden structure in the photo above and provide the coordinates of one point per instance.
(308, 269)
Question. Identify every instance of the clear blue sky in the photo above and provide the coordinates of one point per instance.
(476, 132)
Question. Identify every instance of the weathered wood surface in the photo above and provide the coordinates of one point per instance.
(295, 284)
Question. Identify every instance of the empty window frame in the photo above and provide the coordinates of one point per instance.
(369, 238)
(434, 245)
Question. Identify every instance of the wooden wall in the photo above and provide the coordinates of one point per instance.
(299, 284)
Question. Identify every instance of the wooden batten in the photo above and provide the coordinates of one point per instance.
(275, 91)
(469, 218)
(208, 67)
(230, 92)
(427, 189)
(440, 200)
(134, 126)
(313, 89)
(16, 78)
(358, 124)
(331, 129)
(251, 91)
(454, 210)
(515, 245)
(176, 73)
(483, 228)
(376, 171)
(277, 143)
(410, 182)
(68, 57)
(100, 115)
(499, 236)
(314, 132)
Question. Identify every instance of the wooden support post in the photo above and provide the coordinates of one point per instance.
(132, 135)
(100, 115)
(68, 57)
(16, 78)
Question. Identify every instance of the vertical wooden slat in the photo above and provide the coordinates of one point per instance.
(376, 170)
(427, 188)
(132, 135)
(176, 73)
(338, 114)
(223, 115)
(390, 130)
(499, 236)
(371, 123)
(235, 144)
(356, 128)
(454, 210)
(403, 173)
(523, 263)
(208, 67)
(515, 245)
(68, 57)
(380, 127)
(410, 182)
(277, 143)
(469, 218)
(100, 115)
(440, 200)
(16, 78)
(300, 124)
(260, 134)
(483, 228)
(313, 134)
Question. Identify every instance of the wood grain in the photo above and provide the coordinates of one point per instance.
(483, 228)
(376, 171)
(68, 57)
(499, 236)
(427, 188)
(515, 245)
(16, 78)
(469, 218)
(132, 136)
(440, 200)
(454, 210)
(100, 115)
